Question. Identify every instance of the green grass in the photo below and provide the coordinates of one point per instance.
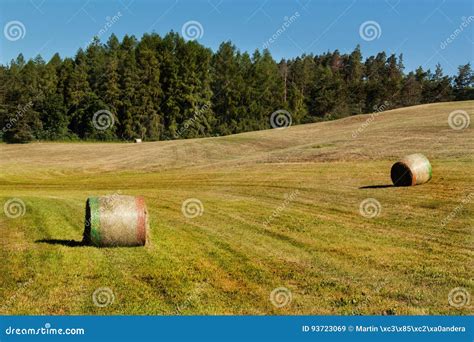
(227, 261)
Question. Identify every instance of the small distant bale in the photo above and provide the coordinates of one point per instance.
(116, 221)
(411, 170)
(138, 141)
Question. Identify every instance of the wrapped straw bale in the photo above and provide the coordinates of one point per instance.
(116, 220)
(413, 169)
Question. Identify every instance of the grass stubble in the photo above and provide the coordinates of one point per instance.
(281, 208)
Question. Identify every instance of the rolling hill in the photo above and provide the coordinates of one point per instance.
(282, 210)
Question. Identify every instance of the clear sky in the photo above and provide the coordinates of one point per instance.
(418, 29)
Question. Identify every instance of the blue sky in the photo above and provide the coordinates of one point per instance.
(418, 29)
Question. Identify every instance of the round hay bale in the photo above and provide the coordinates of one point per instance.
(411, 170)
(116, 220)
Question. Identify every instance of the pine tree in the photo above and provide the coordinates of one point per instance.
(375, 75)
(268, 89)
(324, 96)
(23, 119)
(129, 85)
(166, 88)
(464, 83)
(438, 87)
(226, 88)
(411, 90)
(110, 84)
(149, 95)
(169, 84)
(79, 95)
(354, 78)
(392, 81)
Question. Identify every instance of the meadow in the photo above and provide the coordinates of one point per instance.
(280, 209)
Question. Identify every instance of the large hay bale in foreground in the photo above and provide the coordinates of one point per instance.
(116, 220)
(411, 170)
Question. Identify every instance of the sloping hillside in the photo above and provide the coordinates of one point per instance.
(382, 135)
(280, 209)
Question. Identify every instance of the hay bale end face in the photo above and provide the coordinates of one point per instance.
(116, 221)
(411, 170)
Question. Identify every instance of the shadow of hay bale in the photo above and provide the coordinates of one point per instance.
(68, 243)
(382, 186)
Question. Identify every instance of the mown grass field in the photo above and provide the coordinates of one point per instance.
(331, 258)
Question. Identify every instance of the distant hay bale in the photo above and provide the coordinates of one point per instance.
(413, 169)
(116, 220)
(138, 141)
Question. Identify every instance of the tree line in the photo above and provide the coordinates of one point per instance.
(159, 88)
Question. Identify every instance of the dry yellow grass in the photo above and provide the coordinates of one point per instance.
(332, 259)
(387, 135)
